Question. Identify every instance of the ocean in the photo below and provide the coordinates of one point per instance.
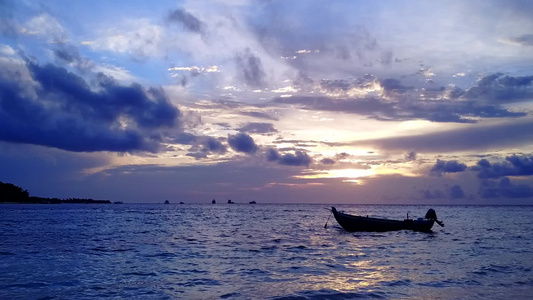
(263, 251)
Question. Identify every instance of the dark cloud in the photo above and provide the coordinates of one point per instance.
(380, 109)
(63, 111)
(479, 138)
(343, 85)
(393, 85)
(259, 115)
(251, 69)
(260, 128)
(206, 146)
(242, 142)
(187, 20)
(202, 146)
(512, 166)
(327, 161)
(431, 195)
(524, 40)
(185, 138)
(456, 192)
(399, 102)
(451, 166)
(214, 145)
(410, 156)
(504, 189)
(68, 54)
(342, 155)
(272, 154)
(499, 88)
(299, 158)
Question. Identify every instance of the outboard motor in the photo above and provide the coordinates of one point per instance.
(432, 215)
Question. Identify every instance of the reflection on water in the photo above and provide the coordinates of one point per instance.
(259, 251)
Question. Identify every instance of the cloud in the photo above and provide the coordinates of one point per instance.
(442, 111)
(299, 158)
(205, 147)
(504, 189)
(185, 138)
(8, 25)
(524, 40)
(67, 54)
(250, 69)
(47, 26)
(499, 88)
(65, 112)
(393, 85)
(242, 142)
(258, 114)
(512, 166)
(139, 38)
(430, 195)
(201, 146)
(259, 128)
(327, 161)
(474, 138)
(451, 166)
(410, 156)
(189, 21)
(456, 192)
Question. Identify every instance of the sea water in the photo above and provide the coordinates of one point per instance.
(242, 251)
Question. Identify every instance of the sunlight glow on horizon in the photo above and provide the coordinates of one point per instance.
(337, 173)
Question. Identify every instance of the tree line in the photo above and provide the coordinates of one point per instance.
(12, 193)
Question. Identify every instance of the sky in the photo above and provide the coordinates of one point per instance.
(361, 102)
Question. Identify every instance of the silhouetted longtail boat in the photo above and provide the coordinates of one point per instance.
(361, 223)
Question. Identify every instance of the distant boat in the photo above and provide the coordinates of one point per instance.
(252, 202)
(213, 201)
(118, 202)
(167, 202)
(181, 202)
(360, 223)
(230, 202)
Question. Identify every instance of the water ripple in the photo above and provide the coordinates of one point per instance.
(259, 252)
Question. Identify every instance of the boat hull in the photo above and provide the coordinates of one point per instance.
(353, 223)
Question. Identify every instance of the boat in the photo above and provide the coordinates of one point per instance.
(167, 202)
(213, 201)
(353, 223)
(252, 202)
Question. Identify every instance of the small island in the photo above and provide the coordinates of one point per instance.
(10, 193)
